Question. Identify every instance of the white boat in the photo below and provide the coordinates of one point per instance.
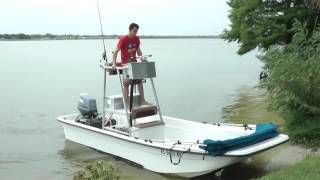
(158, 143)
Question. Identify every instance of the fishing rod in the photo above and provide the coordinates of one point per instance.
(104, 55)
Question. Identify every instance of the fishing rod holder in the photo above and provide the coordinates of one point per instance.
(104, 56)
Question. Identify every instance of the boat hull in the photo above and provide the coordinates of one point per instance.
(151, 158)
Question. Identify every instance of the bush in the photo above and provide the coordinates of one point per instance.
(302, 129)
(294, 84)
(98, 170)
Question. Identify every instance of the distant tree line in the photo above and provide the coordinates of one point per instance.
(49, 36)
(15, 36)
(22, 36)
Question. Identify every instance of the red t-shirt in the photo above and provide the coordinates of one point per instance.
(127, 43)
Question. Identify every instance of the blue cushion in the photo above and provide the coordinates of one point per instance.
(263, 132)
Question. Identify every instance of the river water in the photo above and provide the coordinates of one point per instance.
(198, 79)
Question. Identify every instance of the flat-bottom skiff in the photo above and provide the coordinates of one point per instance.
(158, 143)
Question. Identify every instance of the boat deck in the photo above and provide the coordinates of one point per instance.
(183, 134)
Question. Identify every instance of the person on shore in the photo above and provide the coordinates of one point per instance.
(129, 45)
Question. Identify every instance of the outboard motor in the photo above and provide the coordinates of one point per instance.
(87, 106)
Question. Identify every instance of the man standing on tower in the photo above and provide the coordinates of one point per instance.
(129, 45)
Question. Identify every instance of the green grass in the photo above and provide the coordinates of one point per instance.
(98, 170)
(308, 169)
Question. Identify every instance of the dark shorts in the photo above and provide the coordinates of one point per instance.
(127, 82)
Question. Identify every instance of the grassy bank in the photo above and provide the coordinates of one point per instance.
(304, 170)
(98, 170)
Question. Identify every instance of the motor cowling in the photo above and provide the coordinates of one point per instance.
(87, 105)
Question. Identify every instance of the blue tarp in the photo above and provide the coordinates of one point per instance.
(263, 132)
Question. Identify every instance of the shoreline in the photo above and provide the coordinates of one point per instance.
(94, 37)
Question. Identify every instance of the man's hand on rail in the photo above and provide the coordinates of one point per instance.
(114, 66)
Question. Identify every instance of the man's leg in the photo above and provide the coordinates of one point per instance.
(126, 84)
(141, 92)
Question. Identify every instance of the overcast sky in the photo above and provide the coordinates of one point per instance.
(155, 17)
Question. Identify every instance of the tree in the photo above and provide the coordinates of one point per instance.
(262, 23)
(50, 36)
(287, 32)
(294, 83)
(313, 3)
(22, 36)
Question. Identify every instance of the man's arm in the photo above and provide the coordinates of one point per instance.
(114, 58)
(139, 52)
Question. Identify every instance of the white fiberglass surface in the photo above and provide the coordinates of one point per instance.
(173, 133)
(187, 131)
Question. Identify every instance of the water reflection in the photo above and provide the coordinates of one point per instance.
(250, 106)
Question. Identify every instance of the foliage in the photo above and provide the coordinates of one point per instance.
(313, 3)
(304, 170)
(286, 31)
(263, 23)
(15, 36)
(294, 83)
(98, 170)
